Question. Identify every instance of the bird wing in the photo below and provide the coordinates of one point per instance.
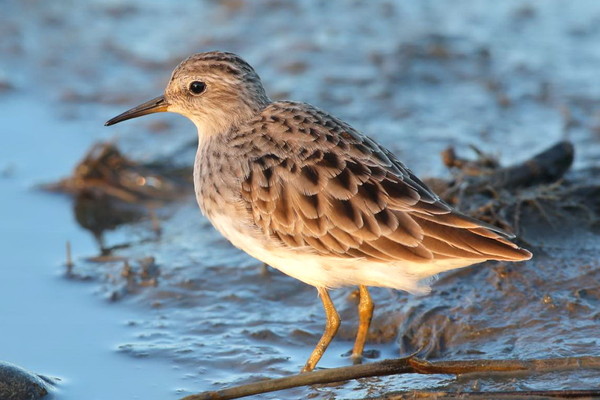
(315, 182)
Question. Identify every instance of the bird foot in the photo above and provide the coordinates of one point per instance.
(356, 359)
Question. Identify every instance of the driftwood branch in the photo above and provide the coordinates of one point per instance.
(547, 166)
(401, 366)
(508, 395)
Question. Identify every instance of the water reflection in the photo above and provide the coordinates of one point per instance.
(110, 190)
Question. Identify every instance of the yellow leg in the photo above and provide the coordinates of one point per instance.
(331, 328)
(365, 313)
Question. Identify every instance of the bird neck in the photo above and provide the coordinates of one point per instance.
(221, 121)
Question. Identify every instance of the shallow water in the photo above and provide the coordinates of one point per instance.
(510, 78)
(49, 324)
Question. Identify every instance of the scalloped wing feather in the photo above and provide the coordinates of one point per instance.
(318, 184)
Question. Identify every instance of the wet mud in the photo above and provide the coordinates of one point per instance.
(484, 311)
(110, 190)
(509, 79)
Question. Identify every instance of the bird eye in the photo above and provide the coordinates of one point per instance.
(197, 87)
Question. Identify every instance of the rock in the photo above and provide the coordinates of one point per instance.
(17, 383)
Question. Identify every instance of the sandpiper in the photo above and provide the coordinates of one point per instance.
(306, 193)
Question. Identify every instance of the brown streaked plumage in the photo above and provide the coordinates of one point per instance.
(306, 193)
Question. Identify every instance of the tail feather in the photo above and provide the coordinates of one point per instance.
(455, 236)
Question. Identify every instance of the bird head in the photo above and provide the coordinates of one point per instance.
(215, 90)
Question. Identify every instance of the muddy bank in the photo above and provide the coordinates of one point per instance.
(193, 283)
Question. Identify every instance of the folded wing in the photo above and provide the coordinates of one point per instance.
(324, 187)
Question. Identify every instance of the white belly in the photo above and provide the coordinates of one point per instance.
(332, 272)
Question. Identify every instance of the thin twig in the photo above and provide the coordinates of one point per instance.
(400, 366)
(69, 263)
(477, 366)
(382, 368)
(508, 395)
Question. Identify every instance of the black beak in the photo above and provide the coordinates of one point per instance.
(158, 104)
